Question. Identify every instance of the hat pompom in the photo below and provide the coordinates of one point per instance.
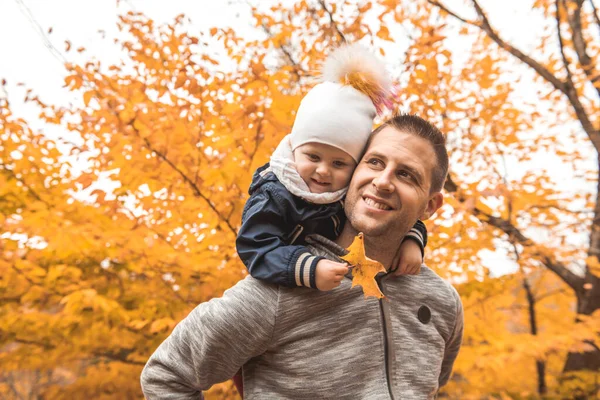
(355, 66)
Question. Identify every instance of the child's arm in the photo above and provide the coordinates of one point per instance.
(418, 234)
(262, 243)
(412, 250)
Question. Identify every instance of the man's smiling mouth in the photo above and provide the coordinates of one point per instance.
(372, 203)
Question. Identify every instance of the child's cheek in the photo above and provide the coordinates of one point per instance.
(349, 175)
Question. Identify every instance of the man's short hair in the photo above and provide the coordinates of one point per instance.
(417, 126)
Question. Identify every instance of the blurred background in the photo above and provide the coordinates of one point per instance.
(129, 131)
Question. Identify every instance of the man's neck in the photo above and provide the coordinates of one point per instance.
(380, 249)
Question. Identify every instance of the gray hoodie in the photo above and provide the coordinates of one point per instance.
(301, 343)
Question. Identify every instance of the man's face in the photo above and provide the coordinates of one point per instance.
(390, 187)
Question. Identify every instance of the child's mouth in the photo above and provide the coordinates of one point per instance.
(320, 183)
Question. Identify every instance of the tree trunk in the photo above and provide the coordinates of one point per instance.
(540, 365)
(588, 300)
(588, 296)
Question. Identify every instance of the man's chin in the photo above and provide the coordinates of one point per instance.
(371, 228)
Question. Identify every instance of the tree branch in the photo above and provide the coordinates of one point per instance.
(515, 234)
(257, 139)
(563, 87)
(452, 13)
(580, 45)
(487, 28)
(571, 92)
(595, 12)
(120, 356)
(569, 83)
(287, 54)
(194, 187)
(331, 21)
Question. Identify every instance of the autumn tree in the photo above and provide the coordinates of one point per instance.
(98, 266)
(564, 63)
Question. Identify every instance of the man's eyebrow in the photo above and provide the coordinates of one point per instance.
(417, 174)
(376, 154)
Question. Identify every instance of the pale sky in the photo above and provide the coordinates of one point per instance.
(24, 56)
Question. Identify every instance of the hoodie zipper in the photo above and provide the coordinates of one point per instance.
(385, 340)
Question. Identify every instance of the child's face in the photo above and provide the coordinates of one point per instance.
(324, 168)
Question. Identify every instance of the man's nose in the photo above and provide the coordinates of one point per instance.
(383, 182)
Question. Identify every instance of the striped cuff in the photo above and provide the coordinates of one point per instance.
(415, 235)
(305, 270)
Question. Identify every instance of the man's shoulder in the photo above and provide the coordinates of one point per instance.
(248, 282)
(432, 276)
(251, 288)
(437, 286)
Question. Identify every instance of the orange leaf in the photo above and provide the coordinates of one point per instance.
(87, 96)
(593, 264)
(365, 269)
(384, 33)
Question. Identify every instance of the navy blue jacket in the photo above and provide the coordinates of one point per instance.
(275, 222)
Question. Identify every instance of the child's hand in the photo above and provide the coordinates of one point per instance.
(329, 274)
(410, 259)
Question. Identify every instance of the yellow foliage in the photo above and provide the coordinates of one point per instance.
(90, 288)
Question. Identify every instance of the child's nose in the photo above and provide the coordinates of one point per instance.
(322, 169)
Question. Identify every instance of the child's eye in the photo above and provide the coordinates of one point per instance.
(339, 164)
(312, 157)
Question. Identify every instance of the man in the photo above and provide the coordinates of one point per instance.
(298, 343)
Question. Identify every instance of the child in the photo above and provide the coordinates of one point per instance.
(300, 191)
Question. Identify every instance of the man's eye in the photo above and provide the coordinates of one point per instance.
(373, 161)
(405, 174)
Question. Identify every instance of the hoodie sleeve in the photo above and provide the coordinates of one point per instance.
(418, 233)
(212, 342)
(268, 223)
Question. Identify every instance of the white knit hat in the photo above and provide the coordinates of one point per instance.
(340, 111)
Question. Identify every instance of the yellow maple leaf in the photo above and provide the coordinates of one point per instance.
(365, 269)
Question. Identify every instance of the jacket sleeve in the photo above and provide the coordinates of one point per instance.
(212, 342)
(418, 233)
(262, 240)
(453, 343)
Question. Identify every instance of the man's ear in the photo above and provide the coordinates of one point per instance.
(435, 202)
